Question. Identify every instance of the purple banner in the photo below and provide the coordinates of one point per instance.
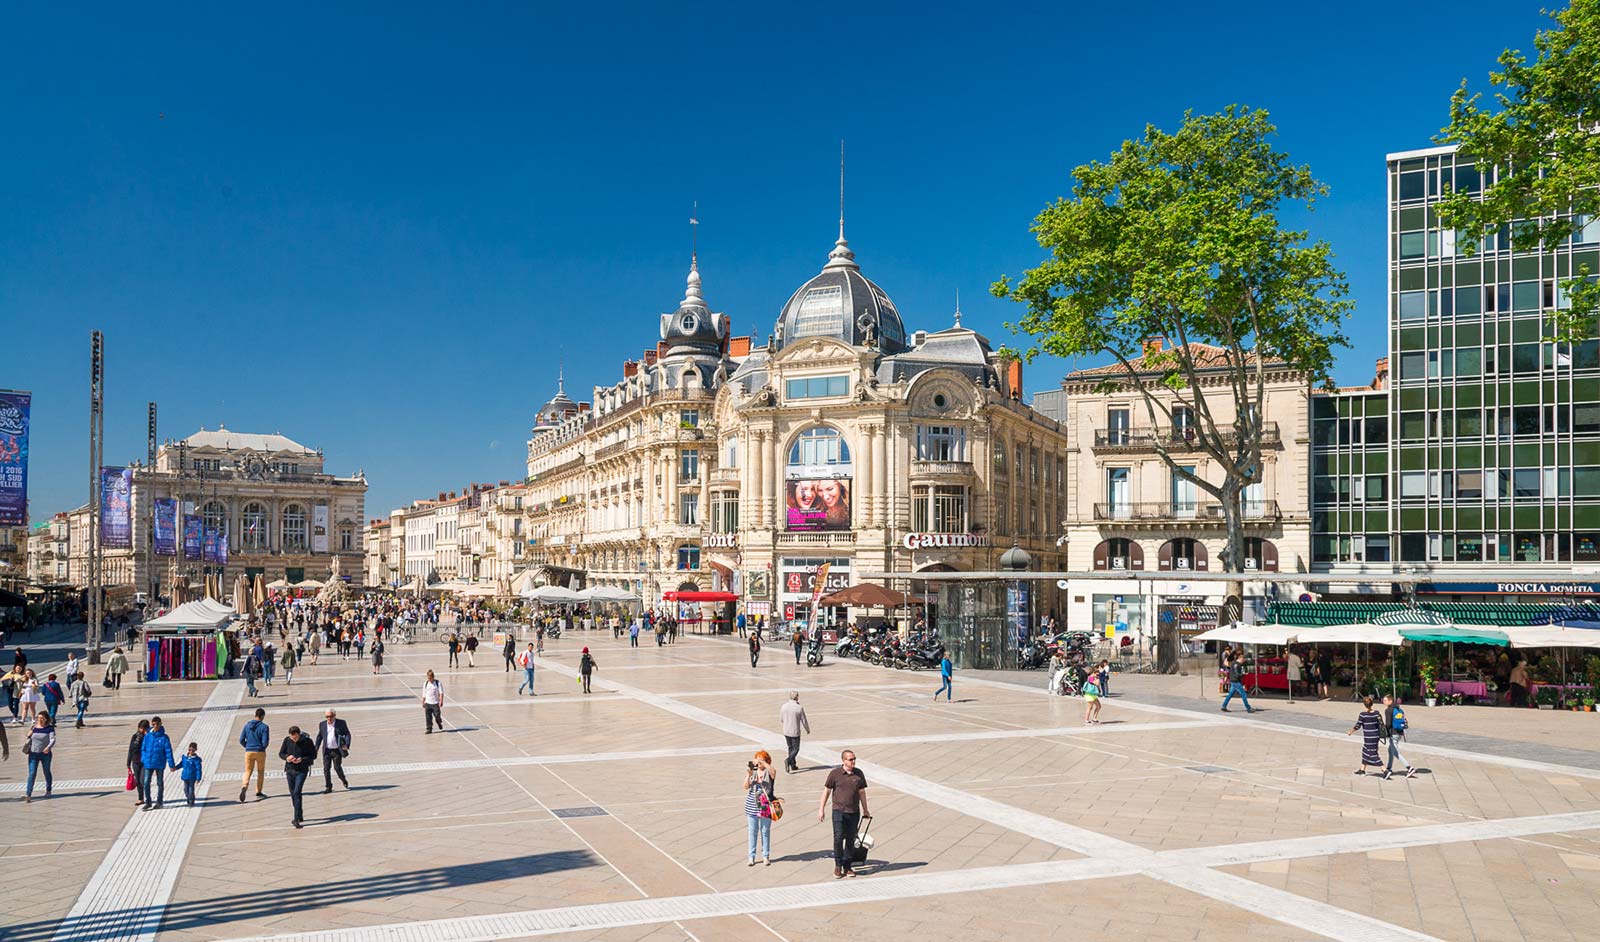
(222, 545)
(14, 458)
(192, 536)
(209, 545)
(116, 508)
(166, 527)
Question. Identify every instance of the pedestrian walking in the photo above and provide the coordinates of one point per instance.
(189, 772)
(314, 645)
(136, 762)
(1234, 665)
(30, 697)
(510, 651)
(252, 670)
(472, 650)
(793, 717)
(538, 636)
(40, 747)
(80, 692)
(377, 655)
(1325, 674)
(254, 738)
(946, 676)
(72, 667)
(1091, 698)
(333, 739)
(299, 754)
(53, 696)
(798, 639)
(433, 703)
(633, 633)
(755, 649)
(1292, 665)
(845, 789)
(586, 667)
(269, 662)
(760, 799)
(115, 668)
(454, 644)
(11, 684)
(155, 753)
(1370, 724)
(288, 660)
(525, 661)
(1395, 725)
(360, 641)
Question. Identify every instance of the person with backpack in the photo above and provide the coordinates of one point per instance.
(432, 703)
(1395, 726)
(252, 670)
(799, 641)
(586, 667)
(1370, 724)
(1233, 664)
(525, 661)
(80, 692)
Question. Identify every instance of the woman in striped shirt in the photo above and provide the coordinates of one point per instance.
(759, 778)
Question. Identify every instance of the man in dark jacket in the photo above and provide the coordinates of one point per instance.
(333, 741)
(299, 754)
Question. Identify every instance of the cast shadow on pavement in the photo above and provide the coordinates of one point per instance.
(260, 903)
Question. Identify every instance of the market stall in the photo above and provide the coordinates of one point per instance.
(191, 642)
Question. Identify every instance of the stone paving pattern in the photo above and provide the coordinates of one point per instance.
(483, 827)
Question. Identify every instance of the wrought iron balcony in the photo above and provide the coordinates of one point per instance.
(1206, 512)
(1173, 439)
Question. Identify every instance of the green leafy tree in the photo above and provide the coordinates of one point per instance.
(1177, 236)
(1542, 137)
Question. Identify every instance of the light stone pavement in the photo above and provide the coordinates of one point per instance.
(619, 816)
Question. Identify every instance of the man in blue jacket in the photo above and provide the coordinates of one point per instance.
(156, 757)
(254, 738)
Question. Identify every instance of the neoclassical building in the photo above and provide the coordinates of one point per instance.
(716, 464)
(285, 516)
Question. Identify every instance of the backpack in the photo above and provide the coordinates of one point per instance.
(1399, 722)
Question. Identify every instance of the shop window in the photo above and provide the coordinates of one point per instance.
(819, 445)
(688, 557)
(294, 528)
(1118, 554)
(1260, 555)
(1182, 555)
(941, 443)
(1586, 547)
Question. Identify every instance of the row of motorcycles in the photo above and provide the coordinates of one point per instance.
(921, 650)
(1070, 645)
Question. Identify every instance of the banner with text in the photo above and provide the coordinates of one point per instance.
(14, 458)
(193, 536)
(166, 527)
(116, 508)
(319, 528)
(222, 545)
(208, 544)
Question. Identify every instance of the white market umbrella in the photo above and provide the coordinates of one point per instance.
(552, 595)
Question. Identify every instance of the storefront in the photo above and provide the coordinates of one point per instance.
(797, 585)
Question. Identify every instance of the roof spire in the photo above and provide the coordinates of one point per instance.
(841, 256)
(958, 307)
(561, 377)
(691, 292)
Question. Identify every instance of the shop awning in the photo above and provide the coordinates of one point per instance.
(700, 596)
(1352, 634)
(865, 595)
(1554, 637)
(1457, 633)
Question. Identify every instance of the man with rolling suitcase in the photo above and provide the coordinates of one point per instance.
(846, 788)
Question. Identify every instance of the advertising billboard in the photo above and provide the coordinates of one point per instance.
(166, 527)
(193, 536)
(816, 504)
(14, 458)
(319, 528)
(116, 508)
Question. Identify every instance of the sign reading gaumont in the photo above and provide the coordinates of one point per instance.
(930, 540)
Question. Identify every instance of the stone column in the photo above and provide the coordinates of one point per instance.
(755, 497)
(880, 474)
(672, 485)
(862, 493)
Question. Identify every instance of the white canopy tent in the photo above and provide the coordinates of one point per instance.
(1243, 633)
(1540, 637)
(205, 613)
(278, 585)
(552, 595)
(525, 580)
(606, 593)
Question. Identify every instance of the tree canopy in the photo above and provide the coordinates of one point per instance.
(1541, 136)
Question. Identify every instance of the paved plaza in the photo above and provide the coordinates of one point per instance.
(619, 815)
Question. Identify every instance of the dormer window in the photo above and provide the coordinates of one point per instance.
(689, 323)
(821, 312)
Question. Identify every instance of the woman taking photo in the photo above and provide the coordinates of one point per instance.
(760, 800)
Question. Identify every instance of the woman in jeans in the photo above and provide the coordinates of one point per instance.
(40, 745)
(759, 779)
(136, 761)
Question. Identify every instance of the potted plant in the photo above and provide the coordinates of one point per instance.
(1588, 704)
(1547, 697)
(1428, 668)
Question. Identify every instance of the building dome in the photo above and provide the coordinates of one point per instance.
(558, 409)
(693, 328)
(844, 304)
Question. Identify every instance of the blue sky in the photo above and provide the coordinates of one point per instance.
(377, 230)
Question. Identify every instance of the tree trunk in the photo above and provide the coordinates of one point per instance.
(1233, 554)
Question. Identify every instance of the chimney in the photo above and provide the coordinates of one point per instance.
(1152, 345)
(630, 369)
(739, 347)
(441, 496)
(505, 483)
(1380, 379)
(1013, 380)
(661, 349)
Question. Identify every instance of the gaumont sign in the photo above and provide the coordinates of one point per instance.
(914, 541)
(720, 540)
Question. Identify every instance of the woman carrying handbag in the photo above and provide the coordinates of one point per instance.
(762, 806)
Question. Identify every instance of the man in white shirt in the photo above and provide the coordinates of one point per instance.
(333, 741)
(432, 702)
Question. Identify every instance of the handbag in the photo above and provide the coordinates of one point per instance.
(129, 785)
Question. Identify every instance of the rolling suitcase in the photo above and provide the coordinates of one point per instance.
(864, 842)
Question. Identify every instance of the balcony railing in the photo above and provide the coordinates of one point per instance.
(836, 538)
(1181, 511)
(1174, 439)
(942, 469)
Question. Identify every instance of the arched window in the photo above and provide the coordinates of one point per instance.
(294, 528)
(253, 527)
(1118, 553)
(820, 445)
(1260, 555)
(1183, 555)
(215, 515)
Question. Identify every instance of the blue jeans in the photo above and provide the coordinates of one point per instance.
(761, 828)
(155, 785)
(1236, 688)
(944, 688)
(250, 684)
(36, 759)
(528, 673)
(83, 707)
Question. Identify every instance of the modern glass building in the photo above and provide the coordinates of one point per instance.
(1484, 449)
